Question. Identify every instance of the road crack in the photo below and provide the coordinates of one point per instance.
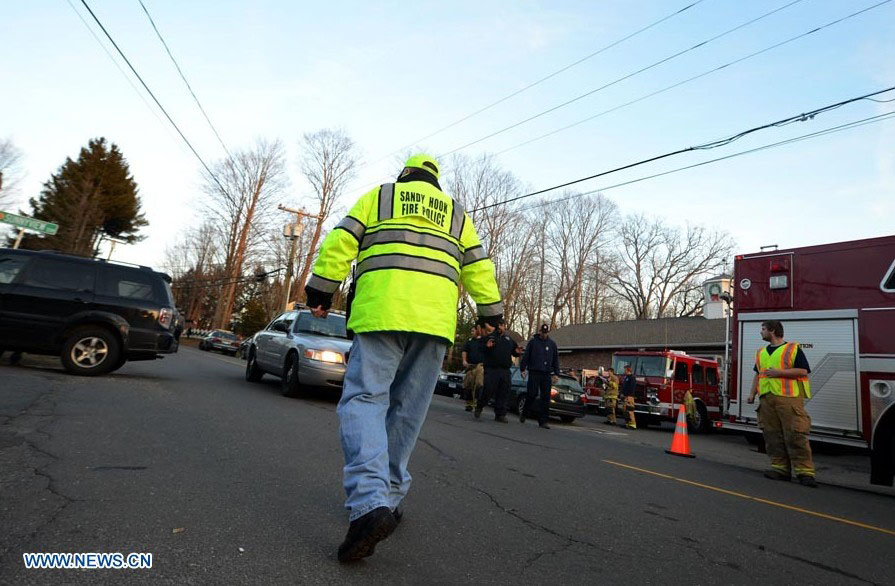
(441, 453)
(818, 565)
(42, 408)
(568, 540)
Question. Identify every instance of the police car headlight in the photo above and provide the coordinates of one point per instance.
(442, 376)
(324, 356)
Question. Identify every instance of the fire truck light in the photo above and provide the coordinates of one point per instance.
(778, 282)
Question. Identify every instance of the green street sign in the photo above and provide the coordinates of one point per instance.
(29, 223)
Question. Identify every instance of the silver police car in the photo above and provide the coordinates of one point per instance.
(302, 350)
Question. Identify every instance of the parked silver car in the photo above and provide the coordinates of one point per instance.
(304, 351)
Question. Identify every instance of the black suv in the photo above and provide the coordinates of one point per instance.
(96, 315)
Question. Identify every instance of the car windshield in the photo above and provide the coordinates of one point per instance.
(568, 384)
(224, 335)
(332, 325)
(651, 366)
(642, 365)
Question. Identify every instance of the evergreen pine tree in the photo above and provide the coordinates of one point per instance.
(95, 194)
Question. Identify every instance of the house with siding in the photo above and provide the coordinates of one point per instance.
(592, 345)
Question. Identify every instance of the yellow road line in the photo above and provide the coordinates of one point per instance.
(756, 499)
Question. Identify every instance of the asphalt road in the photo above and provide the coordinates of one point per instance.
(227, 482)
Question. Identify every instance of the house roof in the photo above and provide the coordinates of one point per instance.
(690, 332)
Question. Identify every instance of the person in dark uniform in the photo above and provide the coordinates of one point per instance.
(541, 358)
(499, 352)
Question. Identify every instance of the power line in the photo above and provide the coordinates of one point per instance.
(117, 65)
(543, 79)
(221, 282)
(152, 95)
(623, 78)
(690, 79)
(819, 133)
(710, 145)
(183, 77)
(211, 174)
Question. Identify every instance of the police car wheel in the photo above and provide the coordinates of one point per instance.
(253, 373)
(289, 382)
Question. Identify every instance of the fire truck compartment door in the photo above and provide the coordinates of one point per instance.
(830, 345)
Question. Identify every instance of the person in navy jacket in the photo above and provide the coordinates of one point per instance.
(541, 359)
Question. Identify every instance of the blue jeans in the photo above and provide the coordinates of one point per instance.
(387, 391)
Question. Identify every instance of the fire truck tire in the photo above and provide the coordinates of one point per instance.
(700, 423)
(882, 457)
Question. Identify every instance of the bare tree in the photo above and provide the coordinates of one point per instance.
(577, 233)
(242, 191)
(483, 189)
(10, 171)
(328, 163)
(657, 267)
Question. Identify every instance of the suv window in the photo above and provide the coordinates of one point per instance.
(698, 374)
(711, 376)
(10, 266)
(681, 373)
(50, 273)
(129, 284)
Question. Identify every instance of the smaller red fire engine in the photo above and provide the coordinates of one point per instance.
(663, 380)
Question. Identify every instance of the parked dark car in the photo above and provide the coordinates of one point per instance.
(449, 384)
(222, 341)
(566, 396)
(95, 314)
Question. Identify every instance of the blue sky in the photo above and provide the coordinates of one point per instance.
(389, 73)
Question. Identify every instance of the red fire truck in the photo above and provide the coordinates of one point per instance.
(663, 380)
(838, 302)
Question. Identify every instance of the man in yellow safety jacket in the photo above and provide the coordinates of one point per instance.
(414, 246)
(781, 381)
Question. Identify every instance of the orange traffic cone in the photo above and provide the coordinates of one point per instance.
(680, 444)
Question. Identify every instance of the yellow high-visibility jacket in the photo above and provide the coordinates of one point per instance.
(414, 246)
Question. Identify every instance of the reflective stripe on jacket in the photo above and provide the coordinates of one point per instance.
(414, 246)
(782, 358)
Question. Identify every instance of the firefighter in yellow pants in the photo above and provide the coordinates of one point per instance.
(473, 358)
(628, 387)
(472, 384)
(690, 407)
(631, 422)
(610, 397)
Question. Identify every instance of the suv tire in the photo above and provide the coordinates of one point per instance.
(121, 362)
(90, 351)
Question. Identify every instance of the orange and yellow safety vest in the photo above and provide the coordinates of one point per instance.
(783, 357)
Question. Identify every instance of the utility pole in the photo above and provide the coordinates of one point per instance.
(291, 231)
